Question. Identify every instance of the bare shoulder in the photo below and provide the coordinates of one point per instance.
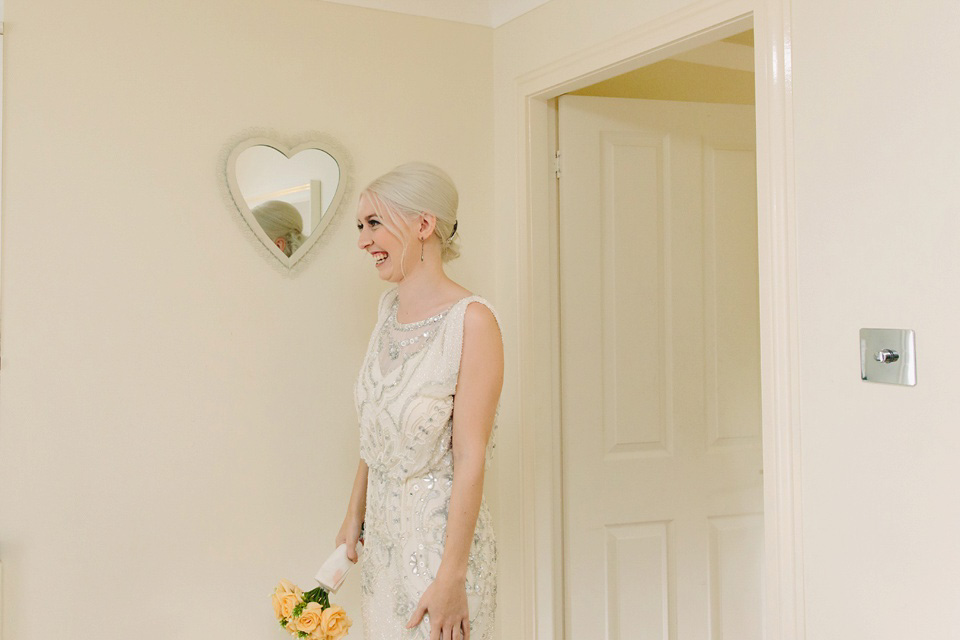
(479, 322)
(482, 358)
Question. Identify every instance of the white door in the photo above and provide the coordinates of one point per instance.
(660, 370)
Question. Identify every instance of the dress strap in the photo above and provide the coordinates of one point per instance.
(466, 303)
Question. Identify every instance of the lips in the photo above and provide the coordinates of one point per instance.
(379, 257)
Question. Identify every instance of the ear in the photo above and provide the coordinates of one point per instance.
(281, 243)
(428, 222)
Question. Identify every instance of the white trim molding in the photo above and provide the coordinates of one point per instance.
(538, 297)
(779, 319)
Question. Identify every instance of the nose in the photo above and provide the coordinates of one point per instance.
(364, 240)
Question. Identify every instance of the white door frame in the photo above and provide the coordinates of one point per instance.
(539, 299)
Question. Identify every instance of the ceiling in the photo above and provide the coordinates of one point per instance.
(489, 13)
(719, 72)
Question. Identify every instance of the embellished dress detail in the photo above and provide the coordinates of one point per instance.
(404, 397)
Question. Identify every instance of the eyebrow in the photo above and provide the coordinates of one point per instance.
(372, 215)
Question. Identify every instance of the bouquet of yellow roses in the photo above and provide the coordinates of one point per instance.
(309, 615)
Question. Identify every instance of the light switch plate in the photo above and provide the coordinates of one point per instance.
(888, 355)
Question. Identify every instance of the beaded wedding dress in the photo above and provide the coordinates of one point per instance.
(404, 398)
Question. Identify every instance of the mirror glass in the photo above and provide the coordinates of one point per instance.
(289, 196)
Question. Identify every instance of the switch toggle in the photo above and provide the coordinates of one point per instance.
(888, 355)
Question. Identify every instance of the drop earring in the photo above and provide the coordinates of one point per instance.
(421, 250)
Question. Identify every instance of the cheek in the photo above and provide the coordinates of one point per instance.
(387, 240)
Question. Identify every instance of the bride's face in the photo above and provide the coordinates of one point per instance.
(377, 240)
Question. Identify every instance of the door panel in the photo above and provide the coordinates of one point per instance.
(660, 370)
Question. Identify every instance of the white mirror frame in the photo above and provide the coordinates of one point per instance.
(289, 147)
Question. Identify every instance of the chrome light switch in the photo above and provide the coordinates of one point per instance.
(888, 355)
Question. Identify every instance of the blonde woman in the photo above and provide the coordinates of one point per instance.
(427, 400)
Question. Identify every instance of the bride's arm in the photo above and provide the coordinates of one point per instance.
(475, 403)
(350, 529)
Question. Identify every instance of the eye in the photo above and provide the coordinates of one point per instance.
(373, 222)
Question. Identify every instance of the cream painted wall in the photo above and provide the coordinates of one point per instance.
(877, 129)
(177, 429)
(876, 136)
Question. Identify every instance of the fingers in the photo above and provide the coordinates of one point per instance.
(458, 631)
(351, 548)
(417, 616)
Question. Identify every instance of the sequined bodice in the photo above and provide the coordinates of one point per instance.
(404, 397)
(405, 340)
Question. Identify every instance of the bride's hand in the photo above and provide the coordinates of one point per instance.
(446, 603)
(349, 534)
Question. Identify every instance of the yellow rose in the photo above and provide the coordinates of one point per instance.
(310, 617)
(335, 622)
(284, 587)
(277, 611)
(287, 603)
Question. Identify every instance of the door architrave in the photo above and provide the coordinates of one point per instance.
(682, 30)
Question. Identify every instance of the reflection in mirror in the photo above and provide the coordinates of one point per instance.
(306, 182)
(282, 222)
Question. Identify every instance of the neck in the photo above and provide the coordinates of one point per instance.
(418, 290)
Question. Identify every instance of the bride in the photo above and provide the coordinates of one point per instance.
(427, 400)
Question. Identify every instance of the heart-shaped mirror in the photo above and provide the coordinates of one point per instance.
(286, 195)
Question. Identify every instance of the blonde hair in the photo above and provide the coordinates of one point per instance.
(414, 188)
(280, 219)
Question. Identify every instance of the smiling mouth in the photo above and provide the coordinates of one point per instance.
(380, 257)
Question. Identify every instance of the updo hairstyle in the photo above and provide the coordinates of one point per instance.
(414, 188)
(280, 219)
